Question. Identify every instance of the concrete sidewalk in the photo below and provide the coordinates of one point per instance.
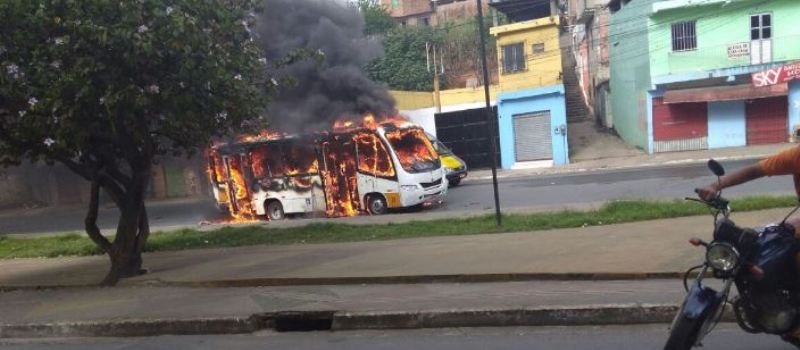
(632, 160)
(641, 249)
(131, 311)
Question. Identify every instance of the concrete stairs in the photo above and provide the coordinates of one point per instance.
(576, 105)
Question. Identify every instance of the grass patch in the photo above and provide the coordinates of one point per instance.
(612, 213)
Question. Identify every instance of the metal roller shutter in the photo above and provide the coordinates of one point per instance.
(767, 120)
(532, 137)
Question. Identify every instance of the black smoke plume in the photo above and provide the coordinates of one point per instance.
(323, 90)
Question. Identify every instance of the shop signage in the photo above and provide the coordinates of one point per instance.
(777, 75)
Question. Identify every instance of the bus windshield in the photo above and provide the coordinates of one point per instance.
(414, 150)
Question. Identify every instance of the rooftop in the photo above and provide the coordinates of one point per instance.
(514, 27)
(522, 10)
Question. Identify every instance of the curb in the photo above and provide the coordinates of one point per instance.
(401, 279)
(419, 279)
(567, 316)
(588, 171)
(130, 328)
(614, 314)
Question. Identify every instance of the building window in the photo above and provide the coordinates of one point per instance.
(395, 3)
(684, 36)
(426, 21)
(761, 26)
(538, 48)
(513, 58)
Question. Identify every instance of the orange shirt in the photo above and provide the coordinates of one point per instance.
(784, 163)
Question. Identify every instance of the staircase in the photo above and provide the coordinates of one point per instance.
(576, 105)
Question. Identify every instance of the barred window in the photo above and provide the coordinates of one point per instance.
(513, 58)
(761, 26)
(684, 36)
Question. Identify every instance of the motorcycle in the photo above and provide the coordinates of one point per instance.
(758, 262)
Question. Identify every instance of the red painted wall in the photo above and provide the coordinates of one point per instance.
(679, 121)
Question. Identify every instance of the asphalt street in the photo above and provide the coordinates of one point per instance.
(672, 182)
(642, 337)
(551, 191)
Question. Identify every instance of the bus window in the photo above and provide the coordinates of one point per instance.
(216, 170)
(268, 161)
(373, 158)
(301, 158)
(414, 151)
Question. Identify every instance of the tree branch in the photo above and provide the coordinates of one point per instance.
(107, 182)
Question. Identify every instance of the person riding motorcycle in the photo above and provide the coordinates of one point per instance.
(783, 163)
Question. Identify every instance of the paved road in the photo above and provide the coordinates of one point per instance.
(537, 192)
(650, 183)
(530, 338)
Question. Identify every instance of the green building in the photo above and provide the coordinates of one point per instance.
(682, 72)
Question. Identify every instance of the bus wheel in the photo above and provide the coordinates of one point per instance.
(376, 204)
(275, 211)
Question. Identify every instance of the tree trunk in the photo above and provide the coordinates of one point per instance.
(133, 230)
(125, 255)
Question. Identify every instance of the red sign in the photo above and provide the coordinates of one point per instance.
(777, 75)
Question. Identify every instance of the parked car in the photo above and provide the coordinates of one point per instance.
(454, 166)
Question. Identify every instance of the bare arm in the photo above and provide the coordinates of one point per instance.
(738, 177)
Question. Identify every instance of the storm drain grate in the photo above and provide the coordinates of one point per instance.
(303, 321)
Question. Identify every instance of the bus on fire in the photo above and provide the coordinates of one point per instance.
(368, 168)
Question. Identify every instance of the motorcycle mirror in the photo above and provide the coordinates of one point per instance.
(716, 167)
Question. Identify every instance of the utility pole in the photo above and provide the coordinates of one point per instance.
(489, 115)
(436, 96)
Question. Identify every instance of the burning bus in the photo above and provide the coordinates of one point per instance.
(370, 167)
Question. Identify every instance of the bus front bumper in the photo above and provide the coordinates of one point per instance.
(424, 196)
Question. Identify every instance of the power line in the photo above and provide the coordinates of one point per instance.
(646, 28)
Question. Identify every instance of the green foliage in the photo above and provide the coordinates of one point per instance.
(460, 42)
(404, 66)
(611, 213)
(128, 79)
(376, 18)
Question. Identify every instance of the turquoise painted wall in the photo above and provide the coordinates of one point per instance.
(630, 71)
(794, 105)
(549, 98)
(718, 26)
(726, 124)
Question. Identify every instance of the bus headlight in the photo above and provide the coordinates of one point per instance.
(408, 187)
(722, 257)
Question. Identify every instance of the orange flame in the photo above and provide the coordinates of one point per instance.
(264, 135)
(339, 176)
(411, 146)
(241, 195)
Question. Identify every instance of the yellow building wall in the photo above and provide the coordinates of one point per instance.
(466, 95)
(410, 100)
(541, 69)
